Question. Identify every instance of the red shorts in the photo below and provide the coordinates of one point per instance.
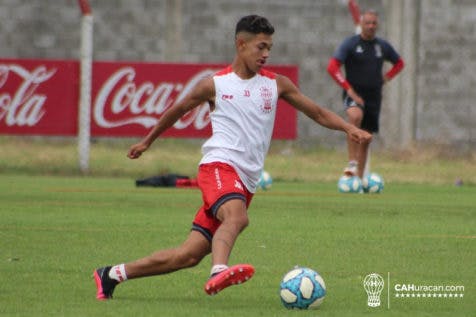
(219, 183)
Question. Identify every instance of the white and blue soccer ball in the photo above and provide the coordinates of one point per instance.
(372, 183)
(265, 181)
(349, 184)
(302, 288)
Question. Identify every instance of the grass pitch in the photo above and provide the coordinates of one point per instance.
(55, 231)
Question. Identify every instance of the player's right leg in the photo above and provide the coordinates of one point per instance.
(363, 150)
(104, 284)
(189, 254)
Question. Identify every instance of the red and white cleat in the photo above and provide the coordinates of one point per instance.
(236, 274)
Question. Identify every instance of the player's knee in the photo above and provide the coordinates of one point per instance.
(193, 261)
(189, 259)
(234, 214)
(355, 117)
(241, 221)
(355, 120)
(246, 221)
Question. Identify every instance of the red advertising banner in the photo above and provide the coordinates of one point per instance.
(40, 97)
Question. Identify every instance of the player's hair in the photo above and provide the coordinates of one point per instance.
(254, 24)
(368, 11)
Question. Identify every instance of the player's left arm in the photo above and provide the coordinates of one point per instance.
(289, 92)
(396, 68)
(395, 59)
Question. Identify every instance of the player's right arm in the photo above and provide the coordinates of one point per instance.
(202, 92)
(333, 68)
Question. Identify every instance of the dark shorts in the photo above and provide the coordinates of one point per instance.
(371, 109)
(219, 183)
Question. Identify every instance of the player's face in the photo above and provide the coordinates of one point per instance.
(256, 51)
(369, 25)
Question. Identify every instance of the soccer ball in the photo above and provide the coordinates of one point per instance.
(349, 184)
(372, 183)
(302, 288)
(265, 180)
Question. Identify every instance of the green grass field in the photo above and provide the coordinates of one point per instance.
(54, 230)
(288, 161)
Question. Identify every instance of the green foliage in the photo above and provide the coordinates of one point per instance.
(55, 231)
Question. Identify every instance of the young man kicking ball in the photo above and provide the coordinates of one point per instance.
(243, 100)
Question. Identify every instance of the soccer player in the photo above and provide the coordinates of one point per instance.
(363, 56)
(243, 99)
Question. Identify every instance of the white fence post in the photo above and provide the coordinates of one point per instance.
(84, 121)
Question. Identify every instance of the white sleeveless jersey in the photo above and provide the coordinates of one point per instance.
(242, 123)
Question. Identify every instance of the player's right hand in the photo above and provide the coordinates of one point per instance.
(136, 150)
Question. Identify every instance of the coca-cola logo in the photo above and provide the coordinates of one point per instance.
(144, 103)
(22, 105)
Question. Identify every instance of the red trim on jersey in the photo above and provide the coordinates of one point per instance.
(267, 73)
(224, 71)
(397, 67)
(333, 68)
(262, 72)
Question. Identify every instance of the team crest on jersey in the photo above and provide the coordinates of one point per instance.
(378, 50)
(267, 95)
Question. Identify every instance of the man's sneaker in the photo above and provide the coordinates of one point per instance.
(104, 284)
(236, 274)
(351, 169)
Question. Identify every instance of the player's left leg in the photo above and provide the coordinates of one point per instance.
(354, 116)
(223, 217)
(234, 219)
(234, 275)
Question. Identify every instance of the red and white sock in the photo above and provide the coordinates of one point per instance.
(118, 273)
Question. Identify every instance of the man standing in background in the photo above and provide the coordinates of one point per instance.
(363, 56)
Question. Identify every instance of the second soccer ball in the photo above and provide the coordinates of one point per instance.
(372, 183)
(349, 184)
(265, 181)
